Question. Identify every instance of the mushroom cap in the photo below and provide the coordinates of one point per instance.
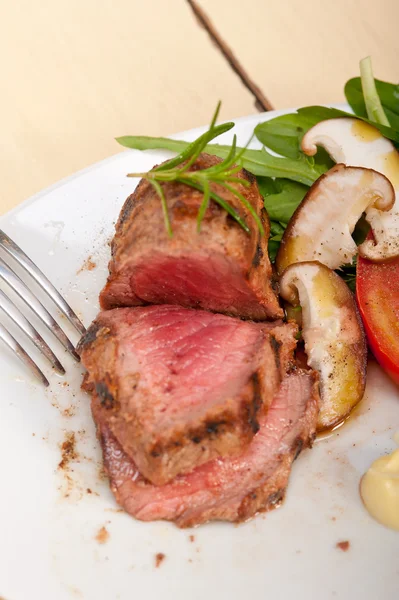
(356, 143)
(321, 227)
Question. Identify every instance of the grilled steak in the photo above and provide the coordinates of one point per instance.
(222, 268)
(231, 489)
(178, 387)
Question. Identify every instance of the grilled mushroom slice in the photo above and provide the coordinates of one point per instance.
(355, 143)
(321, 227)
(333, 334)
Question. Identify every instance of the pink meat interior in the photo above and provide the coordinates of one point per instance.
(212, 282)
(189, 359)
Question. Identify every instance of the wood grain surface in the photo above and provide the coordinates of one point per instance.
(77, 74)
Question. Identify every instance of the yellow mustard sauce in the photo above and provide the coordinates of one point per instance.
(365, 132)
(390, 167)
(379, 489)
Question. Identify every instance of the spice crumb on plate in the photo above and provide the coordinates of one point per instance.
(344, 545)
(159, 558)
(68, 451)
(88, 265)
(102, 535)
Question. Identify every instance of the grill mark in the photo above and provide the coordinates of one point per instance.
(258, 256)
(254, 406)
(276, 346)
(209, 430)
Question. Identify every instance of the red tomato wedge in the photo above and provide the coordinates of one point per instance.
(377, 293)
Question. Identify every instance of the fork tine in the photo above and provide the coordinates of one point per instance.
(19, 255)
(12, 279)
(12, 311)
(22, 355)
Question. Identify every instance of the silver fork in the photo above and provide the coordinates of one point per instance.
(18, 286)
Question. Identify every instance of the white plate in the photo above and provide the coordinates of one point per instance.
(49, 522)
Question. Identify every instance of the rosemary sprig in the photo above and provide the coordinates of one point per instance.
(224, 174)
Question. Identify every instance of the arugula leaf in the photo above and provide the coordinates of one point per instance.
(281, 197)
(348, 274)
(284, 135)
(276, 230)
(388, 93)
(258, 162)
(273, 247)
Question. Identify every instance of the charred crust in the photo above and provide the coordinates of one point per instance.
(107, 400)
(258, 256)
(132, 202)
(212, 427)
(127, 209)
(276, 498)
(87, 384)
(253, 407)
(88, 337)
(255, 501)
(276, 346)
(297, 447)
(274, 283)
(248, 176)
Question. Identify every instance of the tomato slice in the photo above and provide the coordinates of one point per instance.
(377, 293)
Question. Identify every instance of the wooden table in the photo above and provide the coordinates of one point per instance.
(77, 73)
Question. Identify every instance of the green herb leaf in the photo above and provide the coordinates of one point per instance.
(146, 142)
(281, 197)
(388, 93)
(204, 205)
(158, 188)
(245, 203)
(194, 149)
(348, 274)
(284, 135)
(276, 230)
(375, 112)
(273, 247)
(257, 162)
(218, 199)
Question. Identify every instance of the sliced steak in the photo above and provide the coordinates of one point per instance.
(179, 387)
(221, 268)
(231, 489)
